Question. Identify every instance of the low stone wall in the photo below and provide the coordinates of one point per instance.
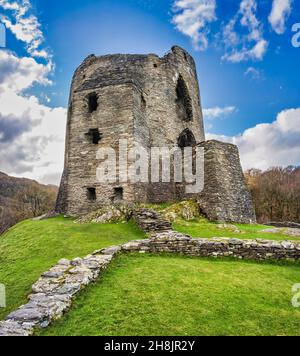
(172, 242)
(53, 293)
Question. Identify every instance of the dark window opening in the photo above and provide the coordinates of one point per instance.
(94, 136)
(155, 65)
(186, 139)
(93, 102)
(91, 194)
(184, 101)
(118, 194)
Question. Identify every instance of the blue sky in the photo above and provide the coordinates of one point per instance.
(249, 74)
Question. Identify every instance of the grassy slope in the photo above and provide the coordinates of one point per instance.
(31, 247)
(171, 295)
(206, 229)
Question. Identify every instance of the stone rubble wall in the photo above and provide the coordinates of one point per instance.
(53, 293)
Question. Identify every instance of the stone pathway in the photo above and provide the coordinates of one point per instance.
(52, 294)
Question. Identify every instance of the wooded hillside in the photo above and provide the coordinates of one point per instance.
(22, 199)
(276, 193)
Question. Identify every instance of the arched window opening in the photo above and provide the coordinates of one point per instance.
(93, 102)
(94, 136)
(186, 139)
(184, 101)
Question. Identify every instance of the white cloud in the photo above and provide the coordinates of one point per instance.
(192, 18)
(21, 73)
(269, 145)
(25, 26)
(38, 151)
(217, 112)
(31, 134)
(243, 35)
(281, 11)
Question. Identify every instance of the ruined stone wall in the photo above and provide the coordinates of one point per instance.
(225, 196)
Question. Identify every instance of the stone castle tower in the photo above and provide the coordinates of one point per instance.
(155, 102)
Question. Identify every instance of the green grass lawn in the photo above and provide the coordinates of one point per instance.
(173, 295)
(206, 229)
(32, 247)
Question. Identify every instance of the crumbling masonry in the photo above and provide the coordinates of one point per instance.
(155, 102)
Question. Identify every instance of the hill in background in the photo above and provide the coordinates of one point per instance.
(22, 198)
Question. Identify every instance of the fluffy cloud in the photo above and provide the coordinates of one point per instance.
(281, 10)
(269, 145)
(192, 18)
(32, 145)
(11, 127)
(18, 74)
(31, 134)
(243, 35)
(217, 112)
(24, 25)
